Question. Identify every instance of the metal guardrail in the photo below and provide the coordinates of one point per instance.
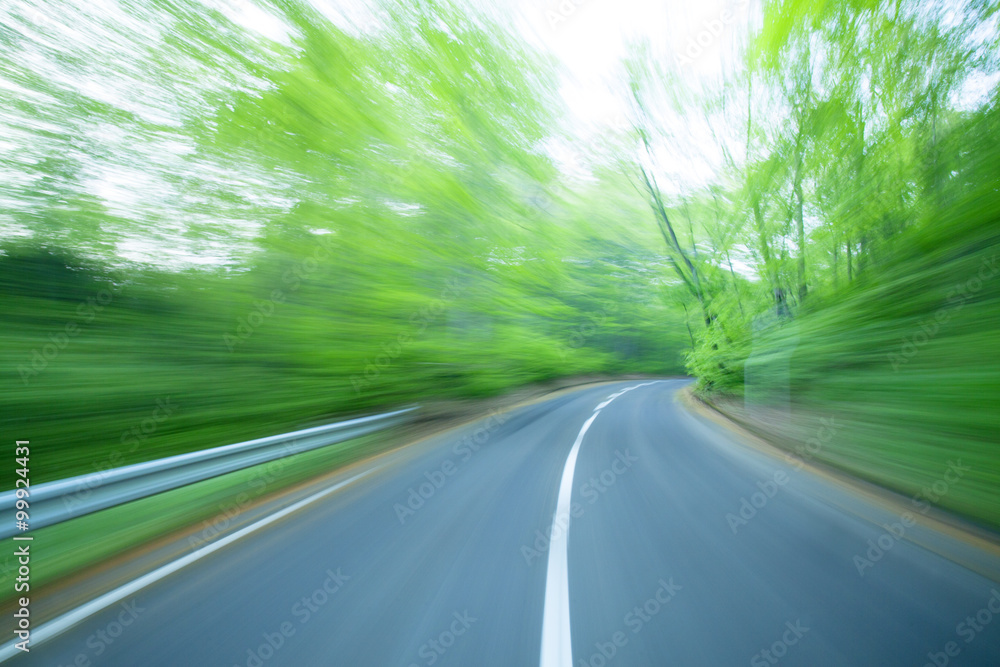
(54, 502)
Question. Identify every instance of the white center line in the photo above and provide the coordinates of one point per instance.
(557, 649)
(557, 644)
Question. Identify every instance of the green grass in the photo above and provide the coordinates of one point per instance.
(70, 547)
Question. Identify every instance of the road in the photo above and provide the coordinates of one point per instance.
(446, 554)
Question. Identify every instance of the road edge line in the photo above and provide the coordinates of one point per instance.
(70, 619)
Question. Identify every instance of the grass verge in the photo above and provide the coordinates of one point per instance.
(71, 547)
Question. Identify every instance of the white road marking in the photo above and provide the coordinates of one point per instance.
(557, 649)
(61, 624)
(557, 639)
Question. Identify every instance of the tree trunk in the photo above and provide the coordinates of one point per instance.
(836, 254)
(799, 221)
(765, 249)
(693, 282)
(850, 270)
(687, 322)
(736, 285)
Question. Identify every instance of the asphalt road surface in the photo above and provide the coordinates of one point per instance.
(685, 547)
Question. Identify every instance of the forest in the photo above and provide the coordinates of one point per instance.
(224, 221)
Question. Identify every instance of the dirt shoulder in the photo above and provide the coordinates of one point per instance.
(795, 439)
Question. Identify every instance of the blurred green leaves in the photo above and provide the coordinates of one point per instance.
(864, 212)
(292, 221)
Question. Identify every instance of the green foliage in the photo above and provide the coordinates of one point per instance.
(869, 217)
(270, 218)
(349, 221)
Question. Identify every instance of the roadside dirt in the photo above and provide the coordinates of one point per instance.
(784, 436)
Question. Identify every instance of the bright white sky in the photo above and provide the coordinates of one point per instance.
(591, 38)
